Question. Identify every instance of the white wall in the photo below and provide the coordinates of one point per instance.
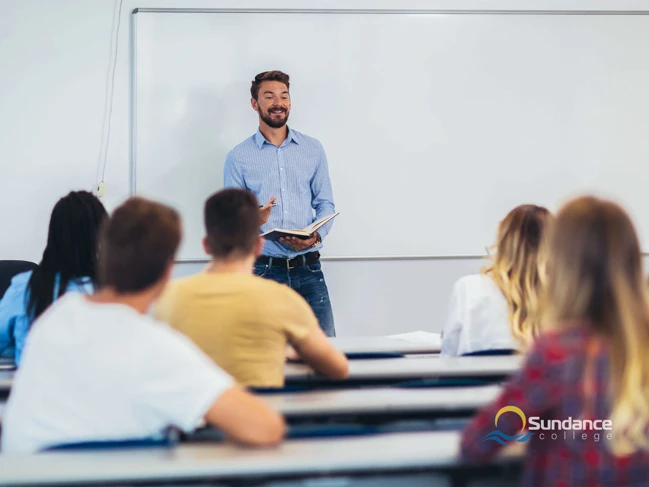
(387, 297)
(54, 58)
(53, 61)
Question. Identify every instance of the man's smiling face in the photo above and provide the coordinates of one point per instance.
(273, 103)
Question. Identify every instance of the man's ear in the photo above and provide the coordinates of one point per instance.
(206, 246)
(259, 247)
(254, 104)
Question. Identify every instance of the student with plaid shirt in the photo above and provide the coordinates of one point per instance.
(592, 365)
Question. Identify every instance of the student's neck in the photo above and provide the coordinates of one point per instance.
(272, 135)
(232, 266)
(140, 302)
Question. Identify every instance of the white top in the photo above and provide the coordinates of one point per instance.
(478, 318)
(99, 372)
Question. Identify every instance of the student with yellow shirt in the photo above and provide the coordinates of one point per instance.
(244, 322)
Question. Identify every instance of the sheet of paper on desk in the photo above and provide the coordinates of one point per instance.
(419, 337)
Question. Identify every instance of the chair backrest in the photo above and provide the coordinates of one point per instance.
(10, 268)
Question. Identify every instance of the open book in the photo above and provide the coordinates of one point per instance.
(277, 233)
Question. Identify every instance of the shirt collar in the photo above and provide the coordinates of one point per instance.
(260, 139)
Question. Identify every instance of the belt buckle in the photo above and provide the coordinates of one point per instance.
(288, 265)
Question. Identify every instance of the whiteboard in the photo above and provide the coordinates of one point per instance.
(435, 124)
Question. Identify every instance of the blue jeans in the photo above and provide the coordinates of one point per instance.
(308, 281)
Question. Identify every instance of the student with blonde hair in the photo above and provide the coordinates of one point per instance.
(499, 308)
(590, 371)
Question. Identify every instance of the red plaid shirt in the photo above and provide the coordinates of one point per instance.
(551, 385)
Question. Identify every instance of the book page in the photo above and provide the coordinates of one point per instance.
(419, 337)
(318, 223)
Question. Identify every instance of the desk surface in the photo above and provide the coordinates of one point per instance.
(383, 453)
(398, 368)
(380, 401)
(384, 344)
(413, 368)
(375, 401)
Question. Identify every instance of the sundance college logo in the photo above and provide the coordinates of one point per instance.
(568, 429)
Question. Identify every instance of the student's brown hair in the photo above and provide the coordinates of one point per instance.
(137, 245)
(596, 280)
(268, 76)
(232, 222)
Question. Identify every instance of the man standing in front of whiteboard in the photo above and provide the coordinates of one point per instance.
(288, 170)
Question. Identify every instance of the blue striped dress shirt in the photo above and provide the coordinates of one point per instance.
(296, 173)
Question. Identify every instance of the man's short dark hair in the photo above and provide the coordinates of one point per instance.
(137, 245)
(268, 76)
(232, 222)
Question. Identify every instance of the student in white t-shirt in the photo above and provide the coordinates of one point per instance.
(499, 308)
(96, 368)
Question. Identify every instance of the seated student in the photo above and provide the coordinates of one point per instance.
(68, 264)
(499, 308)
(97, 368)
(592, 364)
(244, 322)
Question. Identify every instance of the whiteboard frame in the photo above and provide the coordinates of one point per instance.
(432, 11)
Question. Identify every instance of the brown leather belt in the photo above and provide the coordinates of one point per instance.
(300, 260)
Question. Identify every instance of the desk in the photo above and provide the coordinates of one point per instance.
(320, 404)
(402, 369)
(368, 455)
(384, 345)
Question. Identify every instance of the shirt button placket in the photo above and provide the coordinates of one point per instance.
(282, 184)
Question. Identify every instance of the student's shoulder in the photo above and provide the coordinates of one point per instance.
(21, 280)
(555, 352)
(14, 296)
(183, 286)
(81, 284)
(156, 333)
(558, 345)
(475, 283)
(164, 345)
(59, 315)
(174, 297)
(187, 282)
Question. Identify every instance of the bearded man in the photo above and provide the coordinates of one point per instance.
(289, 171)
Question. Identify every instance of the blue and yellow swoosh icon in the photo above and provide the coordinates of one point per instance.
(502, 438)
